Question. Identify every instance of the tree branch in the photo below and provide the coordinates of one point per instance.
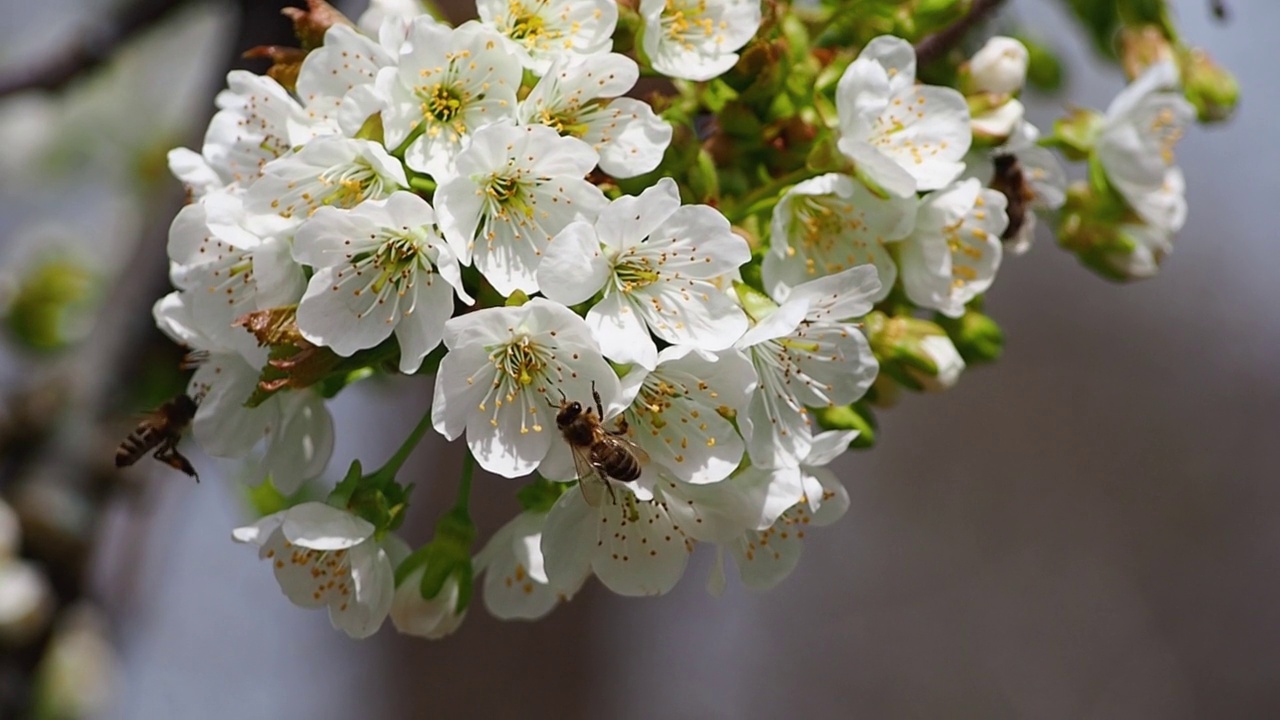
(936, 45)
(93, 49)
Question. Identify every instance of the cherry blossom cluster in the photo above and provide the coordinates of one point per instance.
(485, 204)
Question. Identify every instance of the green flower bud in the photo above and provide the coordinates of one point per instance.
(1141, 47)
(1209, 87)
(850, 417)
(915, 352)
(976, 336)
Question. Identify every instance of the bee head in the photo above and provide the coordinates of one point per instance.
(569, 411)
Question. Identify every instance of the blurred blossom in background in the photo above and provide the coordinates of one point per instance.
(1089, 528)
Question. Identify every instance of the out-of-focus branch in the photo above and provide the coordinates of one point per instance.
(935, 45)
(94, 48)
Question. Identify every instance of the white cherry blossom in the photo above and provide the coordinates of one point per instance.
(257, 121)
(382, 15)
(516, 187)
(1135, 145)
(675, 415)
(502, 379)
(228, 270)
(658, 264)
(326, 557)
(448, 83)
(954, 252)
(515, 579)
(295, 425)
(902, 137)
(831, 223)
(541, 31)
(336, 80)
(432, 618)
(579, 97)
(329, 171)
(1149, 245)
(765, 556)
(807, 354)
(634, 546)
(379, 268)
(697, 39)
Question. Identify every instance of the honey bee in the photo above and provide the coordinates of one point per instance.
(161, 429)
(1011, 180)
(600, 455)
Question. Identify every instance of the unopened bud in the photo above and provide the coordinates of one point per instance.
(976, 336)
(915, 352)
(850, 417)
(1209, 87)
(999, 67)
(1141, 47)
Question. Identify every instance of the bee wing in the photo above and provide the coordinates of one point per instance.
(591, 481)
(627, 443)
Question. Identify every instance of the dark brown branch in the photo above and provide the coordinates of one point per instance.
(936, 45)
(90, 51)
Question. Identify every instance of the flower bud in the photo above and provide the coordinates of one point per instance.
(431, 618)
(1209, 87)
(26, 602)
(976, 336)
(1141, 47)
(917, 353)
(849, 417)
(1000, 66)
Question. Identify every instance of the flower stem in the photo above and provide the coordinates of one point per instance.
(463, 501)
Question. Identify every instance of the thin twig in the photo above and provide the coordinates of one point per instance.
(936, 45)
(93, 49)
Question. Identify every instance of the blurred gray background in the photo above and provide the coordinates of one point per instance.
(1088, 529)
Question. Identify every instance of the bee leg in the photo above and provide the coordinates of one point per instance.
(168, 454)
(596, 394)
(608, 485)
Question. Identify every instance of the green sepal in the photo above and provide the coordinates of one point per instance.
(755, 303)
(849, 417)
(976, 336)
(1076, 133)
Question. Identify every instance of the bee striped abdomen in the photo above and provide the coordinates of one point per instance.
(137, 445)
(616, 462)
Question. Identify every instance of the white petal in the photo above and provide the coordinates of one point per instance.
(621, 332)
(573, 267)
(317, 526)
(374, 581)
(568, 540)
(642, 557)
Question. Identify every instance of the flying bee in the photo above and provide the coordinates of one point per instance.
(161, 429)
(600, 455)
(1010, 180)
